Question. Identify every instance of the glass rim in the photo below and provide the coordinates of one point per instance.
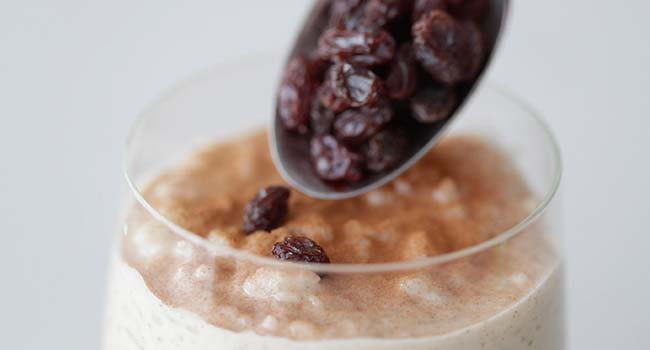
(338, 268)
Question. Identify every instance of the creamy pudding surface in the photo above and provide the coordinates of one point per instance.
(170, 293)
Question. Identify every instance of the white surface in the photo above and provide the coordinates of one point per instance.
(74, 74)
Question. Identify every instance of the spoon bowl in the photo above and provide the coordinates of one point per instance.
(291, 152)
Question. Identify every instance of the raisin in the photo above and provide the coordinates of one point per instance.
(433, 104)
(320, 118)
(422, 7)
(347, 86)
(300, 249)
(403, 74)
(451, 51)
(384, 150)
(468, 9)
(361, 48)
(379, 13)
(294, 95)
(332, 97)
(332, 161)
(354, 126)
(267, 210)
(346, 14)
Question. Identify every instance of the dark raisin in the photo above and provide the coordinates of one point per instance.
(477, 48)
(384, 150)
(347, 86)
(346, 14)
(433, 104)
(468, 9)
(403, 74)
(300, 249)
(354, 126)
(332, 161)
(320, 118)
(361, 48)
(451, 51)
(294, 95)
(421, 7)
(379, 13)
(267, 210)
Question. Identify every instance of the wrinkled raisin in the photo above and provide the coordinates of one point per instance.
(300, 249)
(378, 13)
(347, 86)
(346, 14)
(267, 210)
(468, 9)
(320, 118)
(354, 126)
(433, 104)
(476, 48)
(294, 95)
(361, 48)
(449, 50)
(332, 161)
(384, 150)
(421, 7)
(403, 74)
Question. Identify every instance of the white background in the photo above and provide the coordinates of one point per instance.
(74, 74)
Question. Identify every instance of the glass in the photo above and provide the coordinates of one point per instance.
(168, 289)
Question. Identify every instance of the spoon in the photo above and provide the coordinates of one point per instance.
(290, 152)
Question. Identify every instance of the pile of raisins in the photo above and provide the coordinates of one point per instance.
(377, 64)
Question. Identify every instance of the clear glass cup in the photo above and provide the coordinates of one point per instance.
(167, 289)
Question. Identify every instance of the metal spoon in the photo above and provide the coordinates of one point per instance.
(291, 152)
